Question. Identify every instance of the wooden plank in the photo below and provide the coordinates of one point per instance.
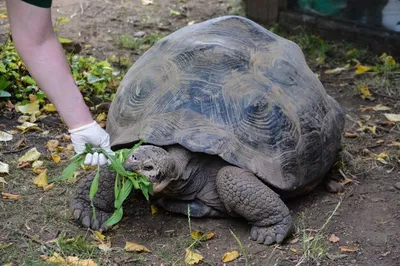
(263, 11)
(378, 40)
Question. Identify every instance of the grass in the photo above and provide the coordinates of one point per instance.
(139, 44)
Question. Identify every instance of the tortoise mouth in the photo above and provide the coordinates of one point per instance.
(159, 186)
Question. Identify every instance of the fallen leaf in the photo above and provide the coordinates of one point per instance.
(4, 168)
(394, 144)
(364, 91)
(350, 135)
(99, 236)
(153, 209)
(104, 247)
(295, 251)
(379, 141)
(49, 108)
(56, 158)
(4, 136)
(192, 257)
(131, 246)
(13, 132)
(6, 195)
(23, 164)
(147, 2)
(333, 238)
(347, 249)
(382, 155)
(362, 69)
(191, 22)
(52, 145)
(337, 70)
(41, 179)
(381, 107)
(30, 156)
(48, 187)
(230, 256)
(56, 258)
(23, 118)
(27, 126)
(3, 181)
(75, 261)
(392, 117)
(365, 117)
(197, 235)
(174, 12)
(37, 164)
(30, 108)
(101, 117)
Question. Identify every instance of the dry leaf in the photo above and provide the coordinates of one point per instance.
(346, 181)
(192, 257)
(6, 195)
(4, 168)
(174, 12)
(131, 246)
(52, 145)
(4, 136)
(3, 181)
(37, 164)
(27, 126)
(382, 155)
(230, 256)
(49, 108)
(347, 249)
(333, 238)
(362, 69)
(392, 117)
(104, 247)
(381, 107)
(99, 236)
(379, 141)
(364, 91)
(337, 70)
(350, 135)
(191, 22)
(197, 235)
(394, 144)
(41, 179)
(153, 209)
(30, 108)
(30, 156)
(147, 2)
(56, 258)
(23, 118)
(101, 117)
(48, 187)
(56, 158)
(295, 251)
(75, 261)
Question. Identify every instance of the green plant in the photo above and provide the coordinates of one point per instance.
(124, 183)
(134, 43)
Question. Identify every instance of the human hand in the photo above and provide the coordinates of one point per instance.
(95, 135)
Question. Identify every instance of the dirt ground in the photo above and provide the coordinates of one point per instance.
(366, 222)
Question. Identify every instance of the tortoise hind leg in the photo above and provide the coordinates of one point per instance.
(103, 200)
(244, 194)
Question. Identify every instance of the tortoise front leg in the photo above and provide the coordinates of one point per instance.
(244, 194)
(103, 200)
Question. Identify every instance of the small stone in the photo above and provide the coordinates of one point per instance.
(397, 185)
(392, 189)
(139, 34)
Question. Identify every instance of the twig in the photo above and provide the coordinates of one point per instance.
(34, 239)
(16, 151)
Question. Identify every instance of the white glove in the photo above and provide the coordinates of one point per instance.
(95, 135)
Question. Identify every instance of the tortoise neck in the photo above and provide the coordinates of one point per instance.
(181, 156)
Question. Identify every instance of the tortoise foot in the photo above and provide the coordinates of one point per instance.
(272, 234)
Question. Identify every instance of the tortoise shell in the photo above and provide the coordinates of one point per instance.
(229, 87)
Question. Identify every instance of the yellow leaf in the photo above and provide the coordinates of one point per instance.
(362, 69)
(10, 263)
(4, 136)
(174, 12)
(393, 117)
(3, 16)
(4, 168)
(104, 247)
(101, 117)
(56, 258)
(26, 126)
(37, 164)
(6, 195)
(52, 145)
(295, 251)
(364, 91)
(49, 108)
(41, 179)
(75, 261)
(23, 118)
(131, 246)
(347, 249)
(192, 257)
(197, 235)
(99, 236)
(382, 155)
(154, 210)
(56, 158)
(394, 144)
(333, 238)
(30, 156)
(337, 70)
(230, 256)
(30, 108)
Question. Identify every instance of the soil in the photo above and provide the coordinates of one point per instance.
(366, 222)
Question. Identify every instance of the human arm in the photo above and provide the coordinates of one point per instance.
(43, 56)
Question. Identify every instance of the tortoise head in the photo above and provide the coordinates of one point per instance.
(153, 162)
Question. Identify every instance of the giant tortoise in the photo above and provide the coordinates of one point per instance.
(234, 122)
